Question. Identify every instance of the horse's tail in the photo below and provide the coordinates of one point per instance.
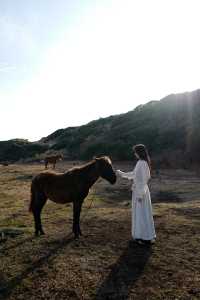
(30, 209)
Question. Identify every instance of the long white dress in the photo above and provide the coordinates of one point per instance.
(142, 217)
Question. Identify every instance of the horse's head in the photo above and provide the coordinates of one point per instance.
(105, 169)
(60, 156)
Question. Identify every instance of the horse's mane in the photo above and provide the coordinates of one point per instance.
(87, 165)
(106, 158)
(77, 169)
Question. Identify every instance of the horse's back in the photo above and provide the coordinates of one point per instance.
(42, 178)
(57, 187)
(45, 175)
(52, 180)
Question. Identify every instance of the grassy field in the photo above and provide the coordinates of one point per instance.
(103, 264)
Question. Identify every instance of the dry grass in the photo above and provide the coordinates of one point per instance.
(103, 264)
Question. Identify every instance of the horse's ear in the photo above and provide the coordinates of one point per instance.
(97, 158)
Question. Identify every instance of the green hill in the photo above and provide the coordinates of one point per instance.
(20, 149)
(169, 128)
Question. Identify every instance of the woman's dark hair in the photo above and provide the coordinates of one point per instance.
(142, 152)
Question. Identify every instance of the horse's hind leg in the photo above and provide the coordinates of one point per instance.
(76, 218)
(38, 204)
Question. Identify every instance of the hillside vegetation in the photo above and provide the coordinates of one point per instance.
(169, 128)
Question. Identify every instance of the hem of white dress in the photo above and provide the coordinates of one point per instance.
(144, 238)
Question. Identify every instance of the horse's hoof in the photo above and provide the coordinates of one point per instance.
(42, 233)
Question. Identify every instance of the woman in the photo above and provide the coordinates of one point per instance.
(143, 230)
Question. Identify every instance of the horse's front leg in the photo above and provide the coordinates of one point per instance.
(76, 218)
(37, 205)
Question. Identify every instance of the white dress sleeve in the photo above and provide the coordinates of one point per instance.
(127, 175)
(141, 178)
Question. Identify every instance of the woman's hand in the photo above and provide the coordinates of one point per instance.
(118, 172)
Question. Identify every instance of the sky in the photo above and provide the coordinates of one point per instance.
(65, 63)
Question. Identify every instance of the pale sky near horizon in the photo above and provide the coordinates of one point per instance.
(67, 62)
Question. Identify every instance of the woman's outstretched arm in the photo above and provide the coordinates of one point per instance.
(127, 175)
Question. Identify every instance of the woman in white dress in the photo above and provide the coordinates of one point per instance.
(143, 230)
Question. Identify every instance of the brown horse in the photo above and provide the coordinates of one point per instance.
(52, 160)
(71, 186)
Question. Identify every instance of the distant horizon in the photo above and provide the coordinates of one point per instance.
(32, 141)
(66, 63)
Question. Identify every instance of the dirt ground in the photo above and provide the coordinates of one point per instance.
(103, 264)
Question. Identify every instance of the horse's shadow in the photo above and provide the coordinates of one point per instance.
(20, 243)
(126, 271)
(118, 283)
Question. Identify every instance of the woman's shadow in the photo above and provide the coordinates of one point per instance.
(126, 271)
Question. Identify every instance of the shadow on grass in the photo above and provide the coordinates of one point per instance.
(6, 288)
(189, 213)
(166, 196)
(16, 245)
(126, 271)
